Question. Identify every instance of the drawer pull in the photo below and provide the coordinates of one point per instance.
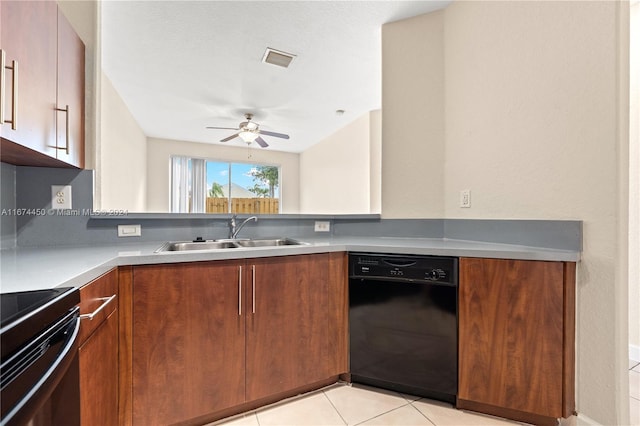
(106, 300)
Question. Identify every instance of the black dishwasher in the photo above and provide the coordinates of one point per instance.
(403, 323)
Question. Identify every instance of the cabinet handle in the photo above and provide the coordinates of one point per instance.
(253, 284)
(240, 291)
(14, 93)
(66, 133)
(106, 301)
(3, 61)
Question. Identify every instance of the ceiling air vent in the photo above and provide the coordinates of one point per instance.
(277, 57)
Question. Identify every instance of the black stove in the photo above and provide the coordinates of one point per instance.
(26, 313)
(39, 363)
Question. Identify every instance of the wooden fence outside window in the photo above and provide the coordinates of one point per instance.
(243, 205)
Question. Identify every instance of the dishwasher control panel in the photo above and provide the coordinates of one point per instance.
(434, 269)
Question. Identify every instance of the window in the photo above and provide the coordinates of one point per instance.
(208, 186)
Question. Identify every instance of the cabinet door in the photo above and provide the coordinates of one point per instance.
(188, 341)
(98, 358)
(98, 353)
(511, 327)
(287, 327)
(70, 123)
(29, 38)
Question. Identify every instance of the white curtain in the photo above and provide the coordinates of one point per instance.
(179, 185)
(198, 185)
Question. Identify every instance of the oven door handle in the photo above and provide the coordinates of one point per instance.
(29, 404)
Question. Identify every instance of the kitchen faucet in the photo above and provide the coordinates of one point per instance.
(233, 230)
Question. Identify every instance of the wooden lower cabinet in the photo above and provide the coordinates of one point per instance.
(210, 336)
(516, 334)
(188, 340)
(98, 352)
(287, 328)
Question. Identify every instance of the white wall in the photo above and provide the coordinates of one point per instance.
(159, 153)
(413, 117)
(534, 124)
(121, 175)
(335, 172)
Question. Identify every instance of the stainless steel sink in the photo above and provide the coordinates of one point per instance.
(227, 244)
(270, 242)
(200, 245)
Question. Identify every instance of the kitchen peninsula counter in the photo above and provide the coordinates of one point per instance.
(33, 268)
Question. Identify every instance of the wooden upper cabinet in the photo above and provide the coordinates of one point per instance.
(70, 99)
(29, 42)
(43, 73)
(516, 332)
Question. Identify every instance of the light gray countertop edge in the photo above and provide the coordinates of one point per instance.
(33, 268)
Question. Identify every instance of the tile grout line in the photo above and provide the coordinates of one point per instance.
(334, 407)
(382, 414)
(421, 413)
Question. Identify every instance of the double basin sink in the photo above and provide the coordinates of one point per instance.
(227, 244)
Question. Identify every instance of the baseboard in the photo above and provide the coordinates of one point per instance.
(585, 420)
(634, 352)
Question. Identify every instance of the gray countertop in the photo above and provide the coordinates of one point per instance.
(33, 268)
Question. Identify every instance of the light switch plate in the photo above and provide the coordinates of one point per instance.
(61, 196)
(465, 198)
(129, 230)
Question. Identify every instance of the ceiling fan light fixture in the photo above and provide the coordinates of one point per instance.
(248, 136)
(277, 57)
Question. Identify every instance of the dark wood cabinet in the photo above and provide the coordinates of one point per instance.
(212, 338)
(43, 73)
(188, 340)
(98, 352)
(287, 327)
(516, 333)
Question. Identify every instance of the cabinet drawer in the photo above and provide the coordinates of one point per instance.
(98, 300)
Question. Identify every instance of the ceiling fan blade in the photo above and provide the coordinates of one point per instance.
(222, 128)
(261, 142)
(277, 135)
(227, 139)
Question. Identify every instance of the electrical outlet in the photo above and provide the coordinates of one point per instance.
(129, 230)
(465, 198)
(322, 226)
(60, 196)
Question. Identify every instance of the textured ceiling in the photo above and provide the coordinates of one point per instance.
(183, 65)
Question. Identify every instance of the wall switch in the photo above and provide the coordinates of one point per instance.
(129, 230)
(465, 198)
(322, 226)
(60, 196)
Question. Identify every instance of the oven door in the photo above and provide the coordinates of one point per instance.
(40, 381)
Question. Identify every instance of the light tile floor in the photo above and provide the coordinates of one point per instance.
(342, 404)
(634, 392)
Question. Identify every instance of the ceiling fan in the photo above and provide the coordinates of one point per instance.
(249, 131)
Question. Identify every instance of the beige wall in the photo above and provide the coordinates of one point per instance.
(122, 176)
(413, 117)
(375, 161)
(159, 153)
(634, 184)
(335, 172)
(534, 124)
